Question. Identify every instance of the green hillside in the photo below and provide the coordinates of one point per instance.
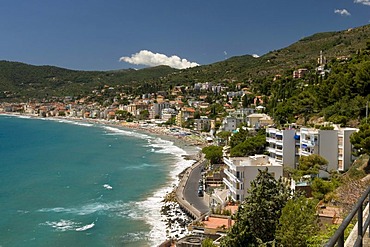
(302, 53)
(19, 82)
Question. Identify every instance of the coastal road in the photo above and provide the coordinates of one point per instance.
(191, 190)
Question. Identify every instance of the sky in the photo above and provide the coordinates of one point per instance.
(120, 34)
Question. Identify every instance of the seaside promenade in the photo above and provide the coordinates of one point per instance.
(186, 192)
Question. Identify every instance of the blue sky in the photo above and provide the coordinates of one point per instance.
(118, 34)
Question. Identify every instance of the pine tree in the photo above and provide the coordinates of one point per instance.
(298, 222)
(258, 216)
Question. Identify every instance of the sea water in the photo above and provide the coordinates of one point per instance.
(67, 183)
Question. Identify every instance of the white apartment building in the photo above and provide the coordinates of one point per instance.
(321, 142)
(241, 171)
(283, 146)
(345, 156)
(333, 145)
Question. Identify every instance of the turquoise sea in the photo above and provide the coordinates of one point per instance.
(66, 183)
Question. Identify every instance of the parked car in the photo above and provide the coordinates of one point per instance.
(200, 192)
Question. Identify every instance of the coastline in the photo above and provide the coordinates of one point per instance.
(174, 218)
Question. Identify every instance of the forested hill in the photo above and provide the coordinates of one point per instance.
(20, 81)
(303, 53)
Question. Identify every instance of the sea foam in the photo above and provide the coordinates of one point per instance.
(117, 131)
(151, 207)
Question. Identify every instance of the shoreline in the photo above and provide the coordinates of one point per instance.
(176, 220)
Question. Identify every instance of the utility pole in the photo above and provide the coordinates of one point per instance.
(367, 110)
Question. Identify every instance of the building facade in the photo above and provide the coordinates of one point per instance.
(283, 146)
(286, 146)
(241, 171)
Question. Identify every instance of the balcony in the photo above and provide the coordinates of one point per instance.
(271, 150)
(279, 142)
(231, 176)
(270, 140)
(230, 164)
(229, 185)
(279, 151)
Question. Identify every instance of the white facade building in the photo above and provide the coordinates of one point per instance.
(283, 146)
(286, 146)
(241, 171)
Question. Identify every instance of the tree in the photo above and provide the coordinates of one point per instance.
(361, 139)
(258, 216)
(245, 101)
(213, 154)
(144, 114)
(224, 135)
(121, 114)
(207, 242)
(239, 137)
(321, 187)
(311, 164)
(251, 146)
(298, 222)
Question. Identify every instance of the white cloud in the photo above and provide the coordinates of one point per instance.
(145, 57)
(364, 2)
(255, 56)
(342, 12)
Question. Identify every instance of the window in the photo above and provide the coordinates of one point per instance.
(340, 164)
(237, 197)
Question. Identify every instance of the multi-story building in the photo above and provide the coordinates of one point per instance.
(168, 113)
(202, 124)
(321, 142)
(241, 171)
(231, 123)
(286, 146)
(156, 109)
(283, 146)
(299, 73)
(345, 156)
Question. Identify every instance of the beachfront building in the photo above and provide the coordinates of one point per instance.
(168, 113)
(136, 108)
(184, 114)
(155, 111)
(283, 146)
(202, 124)
(241, 171)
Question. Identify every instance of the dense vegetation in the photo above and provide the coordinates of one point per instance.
(271, 216)
(339, 96)
(21, 82)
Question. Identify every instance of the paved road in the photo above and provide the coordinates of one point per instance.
(191, 191)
